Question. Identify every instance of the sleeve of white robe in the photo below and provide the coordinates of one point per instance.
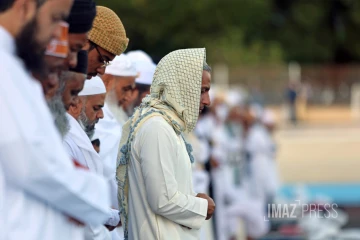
(42, 168)
(158, 157)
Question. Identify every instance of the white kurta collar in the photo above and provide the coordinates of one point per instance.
(78, 134)
(7, 42)
(82, 141)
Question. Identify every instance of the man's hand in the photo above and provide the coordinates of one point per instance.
(211, 204)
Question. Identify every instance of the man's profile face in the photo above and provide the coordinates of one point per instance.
(49, 16)
(93, 109)
(124, 87)
(205, 88)
(76, 43)
(74, 84)
(96, 58)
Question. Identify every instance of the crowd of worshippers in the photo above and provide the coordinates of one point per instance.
(101, 144)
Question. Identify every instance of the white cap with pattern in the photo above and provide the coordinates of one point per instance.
(93, 86)
(122, 66)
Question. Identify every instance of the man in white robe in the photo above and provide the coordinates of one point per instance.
(43, 187)
(154, 173)
(78, 143)
(146, 69)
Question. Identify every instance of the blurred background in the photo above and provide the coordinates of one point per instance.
(298, 58)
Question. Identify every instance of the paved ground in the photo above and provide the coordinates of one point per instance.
(316, 153)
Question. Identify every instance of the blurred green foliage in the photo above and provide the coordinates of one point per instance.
(245, 31)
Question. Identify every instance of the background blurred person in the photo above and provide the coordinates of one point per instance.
(146, 69)
(42, 184)
(291, 97)
(119, 79)
(165, 197)
(79, 147)
(106, 40)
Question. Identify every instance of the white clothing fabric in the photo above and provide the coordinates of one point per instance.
(162, 204)
(79, 147)
(2, 201)
(122, 66)
(108, 130)
(263, 180)
(144, 65)
(93, 86)
(42, 185)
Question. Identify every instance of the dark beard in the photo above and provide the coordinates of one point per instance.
(30, 51)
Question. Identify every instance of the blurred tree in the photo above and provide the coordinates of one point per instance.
(245, 31)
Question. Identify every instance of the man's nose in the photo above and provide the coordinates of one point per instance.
(100, 114)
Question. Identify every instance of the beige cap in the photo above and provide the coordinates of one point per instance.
(108, 31)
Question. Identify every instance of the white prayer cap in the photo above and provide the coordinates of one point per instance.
(268, 117)
(139, 56)
(144, 65)
(122, 66)
(93, 86)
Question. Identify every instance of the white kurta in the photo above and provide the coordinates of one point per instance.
(162, 204)
(109, 131)
(2, 200)
(263, 180)
(79, 147)
(42, 185)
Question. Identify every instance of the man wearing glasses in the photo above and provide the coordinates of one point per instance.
(106, 40)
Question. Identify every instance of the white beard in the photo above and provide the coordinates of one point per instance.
(118, 112)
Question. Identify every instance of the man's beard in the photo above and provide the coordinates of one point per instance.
(118, 112)
(86, 124)
(58, 111)
(29, 50)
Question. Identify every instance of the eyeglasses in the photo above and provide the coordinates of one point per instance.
(106, 63)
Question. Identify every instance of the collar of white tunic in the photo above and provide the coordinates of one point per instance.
(79, 136)
(7, 42)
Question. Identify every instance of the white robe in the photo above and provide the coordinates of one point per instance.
(109, 131)
(162, 204)
(2, 200)
(79, 147)
(263, 180)
(42, 185)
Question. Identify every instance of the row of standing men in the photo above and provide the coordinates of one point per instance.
(32, 155)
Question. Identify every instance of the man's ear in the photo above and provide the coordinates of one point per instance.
(26, 8)
(75, 109)
(86, 46)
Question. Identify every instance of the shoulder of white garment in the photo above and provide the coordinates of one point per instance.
(155, 127)
(45, 152)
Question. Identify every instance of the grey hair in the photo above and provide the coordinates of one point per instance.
(206, 67)
(58, 112)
